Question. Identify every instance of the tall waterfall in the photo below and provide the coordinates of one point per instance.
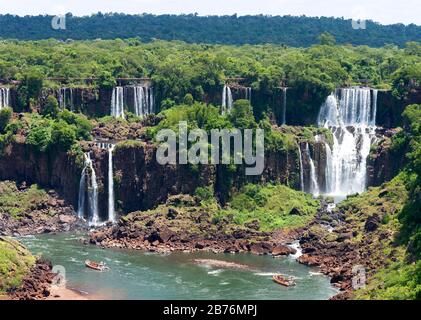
(226, 99)
(350, 114)
(4, 97)
(284, 105)
(248, 93)
(117, 102)
(91, 187)
(143, 101)
(111, 208)
(314, 184)
(82, 191)
(301, 168)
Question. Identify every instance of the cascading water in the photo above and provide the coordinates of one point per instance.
(65, 99)
(117, 102)
(314, 184)
(92, 188)
(284, 105)
(143, 101)
(301, 168)
(226, 99)
(82, 191)
(111, 208)
(248, 93)
(4, 97)
(350, 114)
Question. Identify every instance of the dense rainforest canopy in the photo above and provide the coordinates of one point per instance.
(287, 30)
(177, 68)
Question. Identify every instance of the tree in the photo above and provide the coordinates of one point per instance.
(326, 39)
(30, 88)
(188, 99)
(5, 116)
(51, 107)
(63, 135)
(241, 115)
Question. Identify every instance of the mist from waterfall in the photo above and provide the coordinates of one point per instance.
(227, 99)
(117, 102)
(4, 97)
(143, 101)
(350, 114)
(111, 201)
(91, 188)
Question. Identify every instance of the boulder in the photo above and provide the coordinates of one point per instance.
(282, 250)
(372, 223)
(308, 260)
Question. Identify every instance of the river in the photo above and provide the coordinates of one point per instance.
(141, 275)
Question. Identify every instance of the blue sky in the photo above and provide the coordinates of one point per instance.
(384, 11)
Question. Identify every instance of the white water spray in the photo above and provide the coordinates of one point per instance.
(92, 189)
(143, 101)
(117, 102)
(227, 99)
(314, 185)
(4, 97)
(301, 168)
(350, 114)
(248, 93)
(284, 106)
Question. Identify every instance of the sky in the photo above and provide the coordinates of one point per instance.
(383, 11)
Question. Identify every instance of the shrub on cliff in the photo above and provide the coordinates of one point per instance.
(39, 137)
(63, 135)
(5, 116)
(80, 121)
(15, 263)
(30, 87)
(274, 206)
(50, 108)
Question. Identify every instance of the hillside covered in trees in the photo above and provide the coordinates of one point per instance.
(286, 30)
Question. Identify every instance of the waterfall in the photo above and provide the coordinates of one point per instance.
(284, 106)
(110, 184)
(4, 97)
(65, 99)
(248, 93)
(93, 197)
(82, 191)
(301, 168)
(226, 99)
(314, 185)
(117, 102)
(350, 114)
(92, 188)
(374, 113)
(143, 101)
(151, 101)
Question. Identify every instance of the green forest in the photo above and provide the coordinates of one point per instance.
(260, 29)
(82, 158)
(177, 68)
